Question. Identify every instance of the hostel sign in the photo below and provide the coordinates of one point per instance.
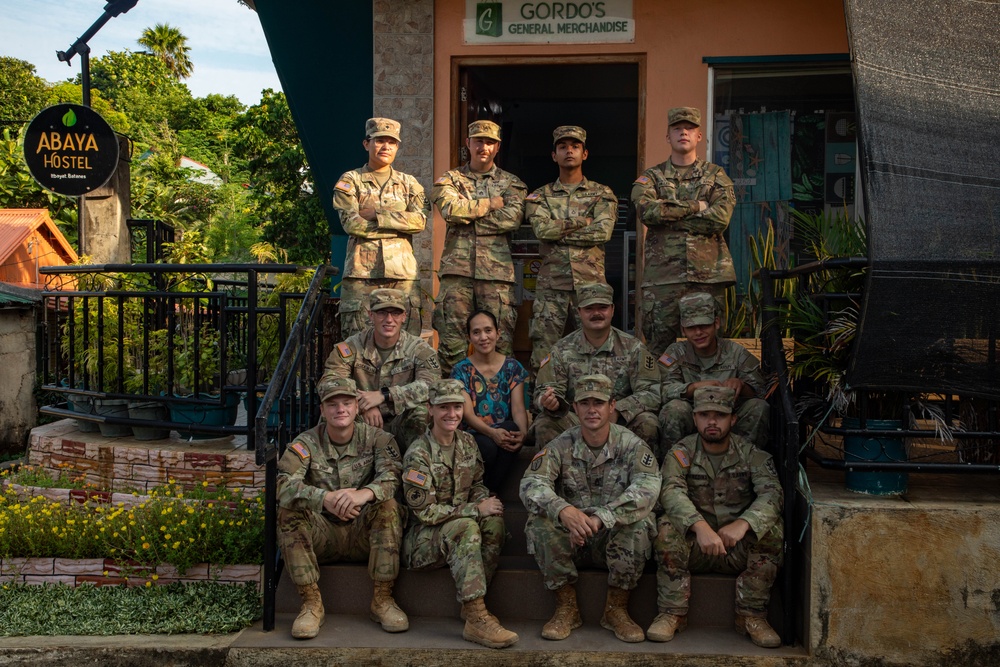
(70, 149)
(567, 22)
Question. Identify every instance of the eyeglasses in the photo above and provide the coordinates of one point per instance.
(389, 312)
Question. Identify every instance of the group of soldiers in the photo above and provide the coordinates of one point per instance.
(621, 428)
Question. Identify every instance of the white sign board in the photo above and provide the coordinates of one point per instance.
(570, 22)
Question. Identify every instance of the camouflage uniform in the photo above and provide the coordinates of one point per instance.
(745, 487)
(683, 250)
(624, 359)
(449, 529)
(573, 222)
(619, 484)
(307, 535)
(477, 271)
(681, 366)
(406, 373)
(380, 251)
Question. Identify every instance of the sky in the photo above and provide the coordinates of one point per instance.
(228, 49)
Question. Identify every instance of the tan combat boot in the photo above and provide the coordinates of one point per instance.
(760, 631)
(385, 611)
(566, 617)
(665, 626)
(312, 615)
(616, 617)
(483, 628)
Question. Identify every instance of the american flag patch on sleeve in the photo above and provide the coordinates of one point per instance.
(416, 477)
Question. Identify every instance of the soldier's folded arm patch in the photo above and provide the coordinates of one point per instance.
(642, 180)
(536, 460)
(544, 361)
(343, 186)
(532, 197)
(345, 350)
(647, 462)
(441, 181)
(300, 449)
(415, 477)
(667, 360)
(416, 497)
(681, 458)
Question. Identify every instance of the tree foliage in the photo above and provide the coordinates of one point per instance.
(22, 92)
(169, 45)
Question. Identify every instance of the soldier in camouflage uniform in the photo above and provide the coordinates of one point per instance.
(380, 209)
(337, 484)
(705, 360)
(573, 218)
(722, 513)
(685, 204)
(598, 348)
(482, 205)
(455, 521)
(392, 368)
(589, 495)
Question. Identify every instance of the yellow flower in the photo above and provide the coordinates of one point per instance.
(167, 536)
(145, 545)
(148, 584)
(177, 544)
(155, 577)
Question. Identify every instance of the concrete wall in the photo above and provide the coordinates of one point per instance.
(18, 412)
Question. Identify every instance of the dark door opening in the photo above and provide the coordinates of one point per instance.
(529, 101)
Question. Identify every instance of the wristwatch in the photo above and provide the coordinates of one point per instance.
(385, 394)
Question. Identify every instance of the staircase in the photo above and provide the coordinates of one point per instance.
(518, 598)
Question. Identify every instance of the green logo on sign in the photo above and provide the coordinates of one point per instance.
(69, 118)
(489, 19)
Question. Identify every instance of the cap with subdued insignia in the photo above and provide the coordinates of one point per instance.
(382, 127)
(569, 132)
(593, 386)
(697, 308)
(385, 297)
(446, 391)
(336, 387)
(484, 128)
(594, 293)
(714, 399)
(680, 114)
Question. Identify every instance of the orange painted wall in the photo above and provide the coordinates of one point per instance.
(674, 35)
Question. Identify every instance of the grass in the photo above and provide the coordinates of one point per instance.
(180, 608)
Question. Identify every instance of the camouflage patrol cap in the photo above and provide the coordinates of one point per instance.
(384, 298)
(569, 132)
(594, 293)
(336, 387)
(446, 391)
(714, 399)
(593, 386)
(679, 114)
(697, 308)
(484, 128)
(382, 127)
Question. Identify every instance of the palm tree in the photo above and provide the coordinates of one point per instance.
(170, 45)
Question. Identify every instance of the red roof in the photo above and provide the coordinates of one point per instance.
(16, 224)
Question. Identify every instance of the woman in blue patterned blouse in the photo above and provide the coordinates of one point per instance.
(494, 405)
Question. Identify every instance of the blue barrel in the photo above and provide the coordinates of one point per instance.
(886, 447)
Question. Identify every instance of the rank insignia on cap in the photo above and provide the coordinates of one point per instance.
(682, 458)
(533, 196)
(301, 450)
(416, 477)
(642, 179)
(343, 186)
(344, 349)
(667, 360)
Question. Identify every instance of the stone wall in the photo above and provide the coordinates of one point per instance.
(18, 412)
(404, 90)
(106, 572)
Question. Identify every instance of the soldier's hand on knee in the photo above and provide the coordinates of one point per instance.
(732, 533)
(578, 524)
(490, 507)
(708, 540)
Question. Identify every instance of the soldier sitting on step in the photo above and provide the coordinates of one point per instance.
(336, 502)
(589, 495)
(722, 513)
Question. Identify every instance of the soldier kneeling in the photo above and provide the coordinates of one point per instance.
(337, 484)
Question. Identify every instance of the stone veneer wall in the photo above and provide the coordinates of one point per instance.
(106, 572)
(403, 62)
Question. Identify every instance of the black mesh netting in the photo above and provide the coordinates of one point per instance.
(927, 79)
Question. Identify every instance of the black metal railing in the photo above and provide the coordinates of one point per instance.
(171, 333)
(290, 405)
(147, 239)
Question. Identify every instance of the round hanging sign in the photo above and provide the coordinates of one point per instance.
(70, 149)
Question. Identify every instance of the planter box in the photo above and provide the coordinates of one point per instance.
(125, 499)
(107, 572)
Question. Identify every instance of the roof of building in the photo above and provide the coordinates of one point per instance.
(16, 224)
(15, 295)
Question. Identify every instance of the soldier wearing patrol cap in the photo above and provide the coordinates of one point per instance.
(455, 520)
(337, 484)
(704, 359)
(573, 218)
(380, 209)
(392, 367)
(598, 347)
(482, 205)
(589, 495)
(685, 204)
(722, 513)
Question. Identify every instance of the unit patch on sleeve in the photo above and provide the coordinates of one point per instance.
(667, 360)
(343, 186)
(415, 477)
(532, 197)
(536, 461)
(642, 180)
(301, 450)
(344, 349)
(440, 181)
(544, 361)
(682, 458)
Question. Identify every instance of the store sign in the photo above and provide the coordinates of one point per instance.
(70, 149)
(572, 22)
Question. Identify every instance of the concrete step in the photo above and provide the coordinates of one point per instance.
(437, 641)
(514, 594)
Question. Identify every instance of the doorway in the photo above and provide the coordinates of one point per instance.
(529, 98)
